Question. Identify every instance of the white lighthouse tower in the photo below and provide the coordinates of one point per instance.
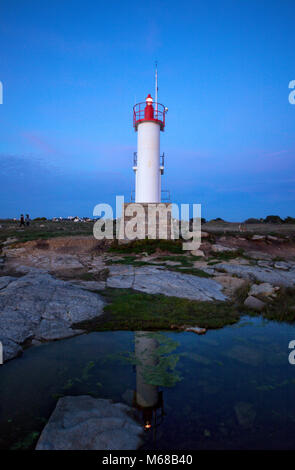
(148, 121)
(153, 218)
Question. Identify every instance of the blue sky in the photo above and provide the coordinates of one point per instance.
(72, 70)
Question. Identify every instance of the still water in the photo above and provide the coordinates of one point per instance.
(232, 388)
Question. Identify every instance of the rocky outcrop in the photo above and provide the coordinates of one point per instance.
(87, 423)
(230, 284)
(10, 348)
(258, 237)
(264, 289)
(220, 248)
(254, 303)
(155, 280)
(282, 265)
(66, 256)
(39, 306)
(273, 276)
(197, 253)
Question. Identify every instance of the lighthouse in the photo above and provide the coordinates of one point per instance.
(153, 217)
(148, 122)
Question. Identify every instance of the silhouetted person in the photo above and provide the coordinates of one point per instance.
(22, 220)
(28, 220)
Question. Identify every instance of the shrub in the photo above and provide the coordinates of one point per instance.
(218, 219)
(273, 219)
(289, 220)
(252, 220)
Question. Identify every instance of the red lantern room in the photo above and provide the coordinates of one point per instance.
(147, 111)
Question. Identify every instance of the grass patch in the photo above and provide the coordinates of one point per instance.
(278, 258)
(193, 271)
(42, 230)
(186, 264)
(27, 442)
(182, 259)
(131, 260)
(282, 308)
(136, 311)
(147, 246)
(227, 255)
(132, 310)
(241, 293)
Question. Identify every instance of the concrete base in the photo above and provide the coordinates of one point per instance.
(146, 220)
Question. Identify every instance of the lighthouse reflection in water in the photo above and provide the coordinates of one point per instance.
(147, 397)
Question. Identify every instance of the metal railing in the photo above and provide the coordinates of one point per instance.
(162, 159)
(139, 114)
(165, 195)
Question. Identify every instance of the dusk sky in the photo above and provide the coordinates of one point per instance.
(72, 71)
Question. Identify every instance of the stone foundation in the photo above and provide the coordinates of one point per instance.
(146, 220)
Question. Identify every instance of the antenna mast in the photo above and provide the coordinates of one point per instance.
(156, 88)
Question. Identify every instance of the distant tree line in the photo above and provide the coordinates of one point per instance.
(271, 219)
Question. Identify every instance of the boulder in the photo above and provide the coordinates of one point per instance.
(5, 280)
(281, 265)
(220, 248)
(10, 349)
(9, 241)
(239, 261)
(258, 237)
(171, 263)
(273, 276)
(265, 289)
(16, 325)
(230, 284)
(87, 423)
(50, 330)
(193, 329)
(264, 264)
(272, 238)
(254, 303)
(196, 329)
(259, 255)
(38, 306)
(197, 253)
(208, 270)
